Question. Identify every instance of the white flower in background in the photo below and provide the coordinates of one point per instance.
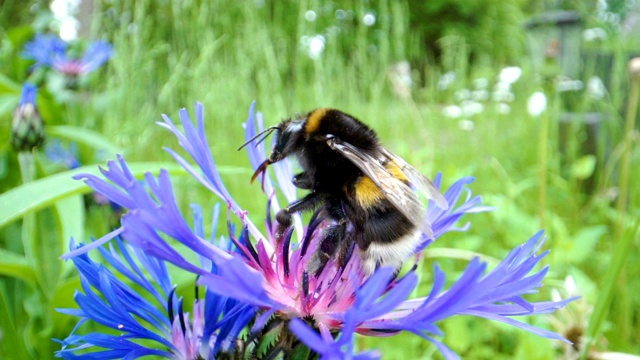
(502, 86)
(369, 19)
(466, 125)
(479, 95)
(452, 111)
(64, 11)
(510, 74)
(310, 15)
(634, 68)
(502, 92)
(446, 80)
(537, 104)
(461, 95)
(316, 46)
(596, 33)
(470, 108)
(400, 76)
(480, 83)
(342, 15)
(569, 85)
(503, 108)
(503, 96)
(596, 88)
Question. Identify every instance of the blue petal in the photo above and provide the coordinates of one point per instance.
(97, 54)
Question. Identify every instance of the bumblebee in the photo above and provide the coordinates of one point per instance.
(369, 193)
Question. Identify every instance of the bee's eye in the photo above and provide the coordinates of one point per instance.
(281, 140)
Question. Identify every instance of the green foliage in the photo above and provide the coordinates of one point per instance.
(490, 28)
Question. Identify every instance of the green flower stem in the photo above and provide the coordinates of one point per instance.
(623, 195)
(27, 170)
(27, 166)
(608, 285)
(543, 164)
(26, 161)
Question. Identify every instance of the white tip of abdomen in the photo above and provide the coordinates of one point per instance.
(392, 254)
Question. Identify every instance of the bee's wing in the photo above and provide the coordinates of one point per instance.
(421, 182)
(396, 191)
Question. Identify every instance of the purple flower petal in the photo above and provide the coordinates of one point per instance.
(51, 51)
(248, 278)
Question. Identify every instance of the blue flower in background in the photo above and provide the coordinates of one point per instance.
(69, 158)
(51, 51)
(28, 95)
(278, 307)
(65, 156)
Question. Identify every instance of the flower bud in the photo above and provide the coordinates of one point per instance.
(27, 128)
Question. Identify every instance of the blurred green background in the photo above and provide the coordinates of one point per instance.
(453, 86)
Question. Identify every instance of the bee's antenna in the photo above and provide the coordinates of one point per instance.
(263, 138)
(268, 131)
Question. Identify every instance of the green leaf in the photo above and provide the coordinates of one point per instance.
(51, 111)
(624, 247)
(45, 192)
(9, 96)
(41, 193)
(62, 299)
(584, 242)
(20, 34)
(39, 325)
(584, 167)
(17, 266)
(71, 220)
(43, 250)
(301, 352)
(269, 337)
(85, 136)
(8, 104)
(8, 86)
(53, 233)
(12, 344)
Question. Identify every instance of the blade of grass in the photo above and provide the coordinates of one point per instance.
(607, 286)
(625, 161)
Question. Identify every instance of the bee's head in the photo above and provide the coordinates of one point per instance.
(288, 135)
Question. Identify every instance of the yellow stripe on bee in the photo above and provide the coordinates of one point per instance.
(396, 172)
(314, 119)
(367, 193)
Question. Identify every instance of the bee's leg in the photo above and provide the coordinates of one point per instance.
(346, 250)
(283, 217)
(332, 241)
(303, 181)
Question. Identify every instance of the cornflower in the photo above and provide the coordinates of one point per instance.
(65, 156)
(51, 51)
(27, 127)
(286, 311)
